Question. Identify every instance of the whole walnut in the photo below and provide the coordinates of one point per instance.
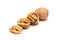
(42, 12)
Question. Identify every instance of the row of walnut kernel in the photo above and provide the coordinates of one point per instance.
(32, 19)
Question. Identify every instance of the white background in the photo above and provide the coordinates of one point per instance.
(13, 10)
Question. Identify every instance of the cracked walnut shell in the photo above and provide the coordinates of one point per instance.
(24, 23)
(33, 17)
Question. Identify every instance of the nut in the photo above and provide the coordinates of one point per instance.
(42, 12)
(24, 23)
(16, 29)
(33, 17)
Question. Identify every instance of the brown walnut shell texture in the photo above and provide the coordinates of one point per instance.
(42, 12)
(16, 29)
(24, 23)
(33, 17)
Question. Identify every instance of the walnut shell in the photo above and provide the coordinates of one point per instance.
(42, 12)
(24, 23)
(33, 17)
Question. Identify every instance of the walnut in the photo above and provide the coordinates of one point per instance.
(16, 29)
(33, 17)
(42, 12)
(24, 23)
